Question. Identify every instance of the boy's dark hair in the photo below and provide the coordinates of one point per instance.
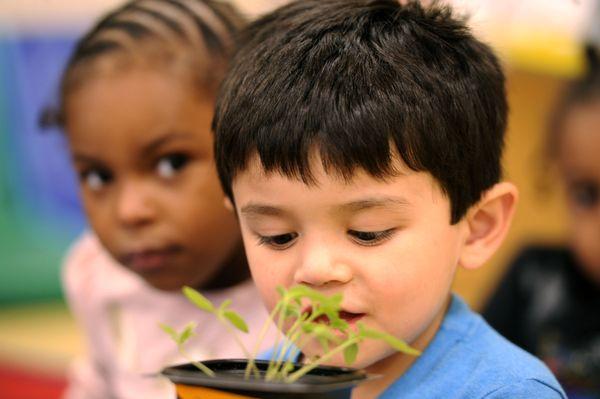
(357, 80)
(197, 33)
(585, 89)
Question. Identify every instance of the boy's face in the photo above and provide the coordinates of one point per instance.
(388, 247)
(141, 144)
(579, 164)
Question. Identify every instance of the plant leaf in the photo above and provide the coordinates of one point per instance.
(308, 327)
(187, 333)
(303, 291)
(392, 341)
(400, 345)
(183, 336)
(291, 310)
(350, 354)
(280, 290)
(226, 303)
(324, 344)
(171, 331)
(322, 330)
(236, 320)
(198, 299)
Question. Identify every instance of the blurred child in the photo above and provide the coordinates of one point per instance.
(137, 102)
(360, 143)
(549, 302)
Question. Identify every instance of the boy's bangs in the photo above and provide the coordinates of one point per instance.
(326, 107)
(354, 139)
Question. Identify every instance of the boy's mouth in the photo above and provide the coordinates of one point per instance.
(348, 317)
(351, 318)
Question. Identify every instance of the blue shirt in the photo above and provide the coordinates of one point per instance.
(468, 359)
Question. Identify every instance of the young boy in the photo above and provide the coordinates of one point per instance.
(360, 144)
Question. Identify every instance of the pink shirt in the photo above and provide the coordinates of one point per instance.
(119, 315)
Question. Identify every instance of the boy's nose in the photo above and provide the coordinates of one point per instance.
(322, 264)
(134, 205)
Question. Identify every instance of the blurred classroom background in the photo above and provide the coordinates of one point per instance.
(538, 40)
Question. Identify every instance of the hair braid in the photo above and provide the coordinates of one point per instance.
(200, 30)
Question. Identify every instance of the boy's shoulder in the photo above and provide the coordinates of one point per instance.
(467, 358)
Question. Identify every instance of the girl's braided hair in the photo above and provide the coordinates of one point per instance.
(197, 35)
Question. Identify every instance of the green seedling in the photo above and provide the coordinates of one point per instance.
(302, 327)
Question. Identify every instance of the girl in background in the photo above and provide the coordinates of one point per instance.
(549, 302)
(136, 105)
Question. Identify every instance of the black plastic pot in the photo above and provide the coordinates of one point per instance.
(321, 383)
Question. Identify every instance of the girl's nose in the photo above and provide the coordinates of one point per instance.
(321, 264)
(134, 205)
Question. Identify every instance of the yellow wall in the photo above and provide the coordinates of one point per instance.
(540, 216)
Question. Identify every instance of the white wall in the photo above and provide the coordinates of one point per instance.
(567, 17)
(67, 16)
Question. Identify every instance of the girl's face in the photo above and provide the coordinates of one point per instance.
(579, 165)
(142, 146)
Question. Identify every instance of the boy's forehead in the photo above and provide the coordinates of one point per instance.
(259, 193)
(256, 178)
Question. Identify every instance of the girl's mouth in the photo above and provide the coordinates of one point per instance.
(150, 260)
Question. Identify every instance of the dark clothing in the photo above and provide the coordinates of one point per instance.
(546, 306)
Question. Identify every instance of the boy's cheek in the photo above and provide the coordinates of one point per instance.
(264, 277)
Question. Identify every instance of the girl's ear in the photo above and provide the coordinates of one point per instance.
(228, 204)
(487, 224)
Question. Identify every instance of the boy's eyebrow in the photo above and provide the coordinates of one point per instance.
(156, 143)
(263, 210)
(253, 209)
(377, 202)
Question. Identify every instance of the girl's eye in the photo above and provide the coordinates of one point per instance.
(280, 241)
(95, 179)
(168, 166)
(369, 238)
(585, 195)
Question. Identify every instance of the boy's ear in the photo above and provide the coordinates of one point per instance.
(487, 224)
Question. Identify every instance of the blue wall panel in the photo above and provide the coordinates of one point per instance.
(40, 212)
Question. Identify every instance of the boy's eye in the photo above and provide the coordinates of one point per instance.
(370, 237)
(585, 194)
(95, 179)
(168, 166)
(280, 241)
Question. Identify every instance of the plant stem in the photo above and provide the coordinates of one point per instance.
(261, 338)
(238, 342)
(199, 365)
(295, 351)
(292, 337)
(305, 369)
(298, 349)
(277, 363)
(280, 320)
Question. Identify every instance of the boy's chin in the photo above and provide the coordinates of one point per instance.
(364, 359)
